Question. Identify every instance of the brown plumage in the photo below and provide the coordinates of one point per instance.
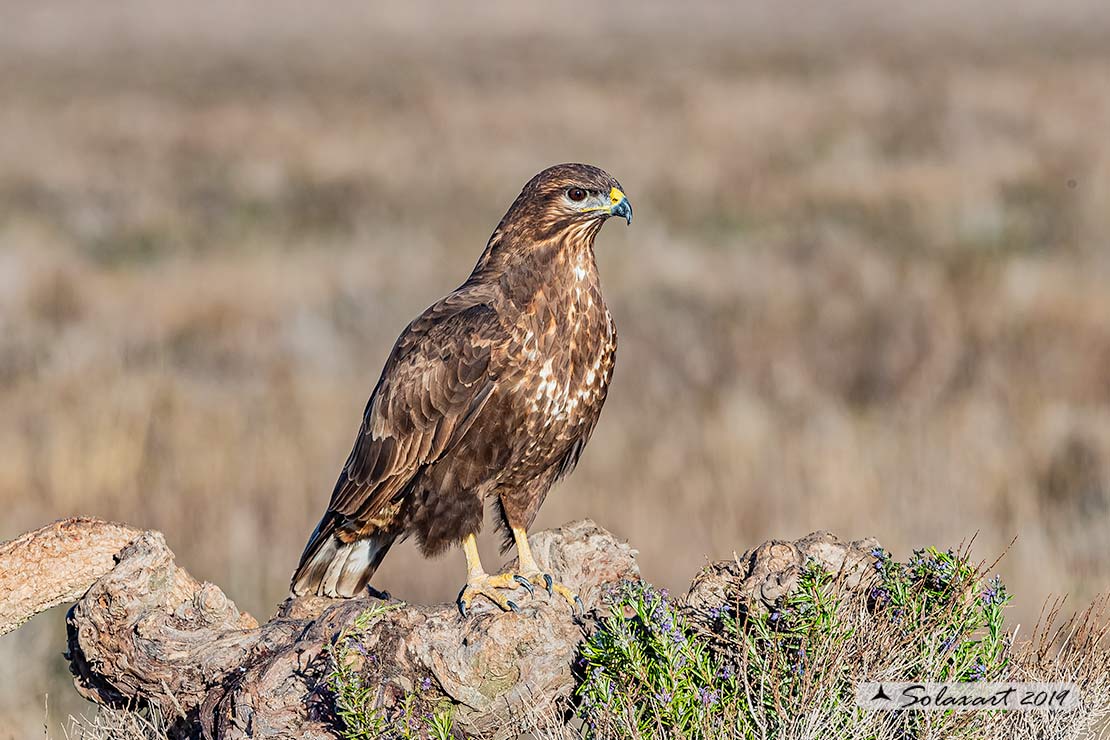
(489, 395)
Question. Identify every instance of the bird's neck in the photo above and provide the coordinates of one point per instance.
(564, 261)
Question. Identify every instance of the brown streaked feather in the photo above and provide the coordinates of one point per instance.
(437, 379)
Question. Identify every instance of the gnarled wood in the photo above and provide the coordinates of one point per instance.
(493, 666)
(757, 580)
(146, 632)
(56, 564)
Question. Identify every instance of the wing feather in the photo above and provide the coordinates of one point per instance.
(437, 380)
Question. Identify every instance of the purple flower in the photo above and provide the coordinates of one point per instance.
(708, 697)
(994, 593)
(426, 683)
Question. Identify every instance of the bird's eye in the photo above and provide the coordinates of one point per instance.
(576, 194)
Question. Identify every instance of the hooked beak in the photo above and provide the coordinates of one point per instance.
(620, 205)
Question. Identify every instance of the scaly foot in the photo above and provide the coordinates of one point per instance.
(544, 580)
(479, 583)
(491, 586)
(488, 586)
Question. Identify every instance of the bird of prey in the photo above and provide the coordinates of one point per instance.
(490, 395)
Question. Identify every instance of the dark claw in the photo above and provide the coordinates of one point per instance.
(376, 594)
(549, 581)
(580, 605)
(513, 606)
(461, 604)
(526, 583)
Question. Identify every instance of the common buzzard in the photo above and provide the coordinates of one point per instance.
(490, 394)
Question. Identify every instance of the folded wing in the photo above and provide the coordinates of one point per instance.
(438, 378)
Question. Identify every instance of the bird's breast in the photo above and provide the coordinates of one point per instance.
(564, 352)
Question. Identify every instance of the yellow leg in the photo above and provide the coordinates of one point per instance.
(530, 570)
(474, 567)
(524, 552)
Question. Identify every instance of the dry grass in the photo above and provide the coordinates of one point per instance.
(865, 290)
(116, 724)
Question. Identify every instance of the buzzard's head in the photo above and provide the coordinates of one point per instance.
(575, 198)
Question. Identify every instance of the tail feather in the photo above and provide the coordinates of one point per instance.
(332, 567)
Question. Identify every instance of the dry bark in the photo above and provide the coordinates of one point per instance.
(55, 565)
(146, 633)
(762, 577)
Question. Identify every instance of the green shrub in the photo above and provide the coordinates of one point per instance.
(655, 668)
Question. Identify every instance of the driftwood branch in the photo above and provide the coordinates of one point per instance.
(145, 632)
(56, 565)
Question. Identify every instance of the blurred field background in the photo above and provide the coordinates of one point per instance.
(867, 289)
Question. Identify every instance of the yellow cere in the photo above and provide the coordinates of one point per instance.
(615, 196)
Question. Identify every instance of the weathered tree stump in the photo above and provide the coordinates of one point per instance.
(762, 576)
(145, 632)
(492, 665)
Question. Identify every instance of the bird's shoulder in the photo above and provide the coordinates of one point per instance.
(471, 314)
(444, 363)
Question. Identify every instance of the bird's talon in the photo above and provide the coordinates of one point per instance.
(490, 587)
(553, 588)
(494, 586)
(376, 594)
(526, 583)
